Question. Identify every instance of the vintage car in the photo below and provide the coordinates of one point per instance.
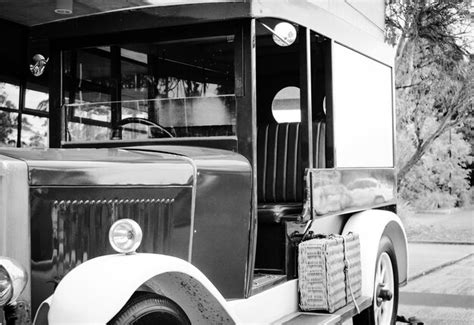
(367, 191)
(190, 145)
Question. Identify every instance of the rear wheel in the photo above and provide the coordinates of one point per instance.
(148, 308)
(385, 297)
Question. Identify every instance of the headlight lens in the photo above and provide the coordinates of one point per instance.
(13, 279)
(6, 287)
(125, 236)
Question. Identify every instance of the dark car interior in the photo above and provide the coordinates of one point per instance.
(281, 158)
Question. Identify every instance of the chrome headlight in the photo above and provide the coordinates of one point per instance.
(13, 279)
(125, 236)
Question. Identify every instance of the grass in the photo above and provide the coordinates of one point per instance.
(450, 226)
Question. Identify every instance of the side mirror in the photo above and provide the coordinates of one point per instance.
(284, 34)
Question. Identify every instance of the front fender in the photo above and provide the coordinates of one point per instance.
(371, 225)
(96, 290)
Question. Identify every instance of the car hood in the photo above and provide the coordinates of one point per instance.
(107, 167)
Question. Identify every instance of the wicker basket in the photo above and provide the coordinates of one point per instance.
(325, 284)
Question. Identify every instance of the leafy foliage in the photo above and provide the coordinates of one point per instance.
(439, 179)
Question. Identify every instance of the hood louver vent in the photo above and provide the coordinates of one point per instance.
(80, 228)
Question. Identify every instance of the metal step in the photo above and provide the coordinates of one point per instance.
(321, 318)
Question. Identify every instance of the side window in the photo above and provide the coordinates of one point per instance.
(362, 110)
(286, 105)
(9, 111)
(35, 121)
(23, 123)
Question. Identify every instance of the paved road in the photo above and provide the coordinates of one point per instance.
(426, 257)
(445, 294)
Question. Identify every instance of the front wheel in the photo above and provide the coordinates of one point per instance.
(148, 308)
(385, 297)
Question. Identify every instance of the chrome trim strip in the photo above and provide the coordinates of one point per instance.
(253, 98)
(193, 205)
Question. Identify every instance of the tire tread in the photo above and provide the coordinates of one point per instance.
(142, 303)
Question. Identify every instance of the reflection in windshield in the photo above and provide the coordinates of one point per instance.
(177, 117)
(177, 88)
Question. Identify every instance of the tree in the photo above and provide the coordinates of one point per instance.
(439, 179)
(441, 23)
(434, 81)
(6, 126)
(441, 98)
(6, 122)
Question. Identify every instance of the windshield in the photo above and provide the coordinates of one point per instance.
(164, 89)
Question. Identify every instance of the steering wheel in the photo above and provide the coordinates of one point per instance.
(143, 121)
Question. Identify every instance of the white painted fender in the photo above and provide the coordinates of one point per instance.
(371, 225)
(96, 290)
(41, 316)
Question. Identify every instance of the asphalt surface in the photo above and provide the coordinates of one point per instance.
(440, 289)
(441, 284)
(425, 257)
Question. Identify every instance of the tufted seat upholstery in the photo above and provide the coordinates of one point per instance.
(280, 170)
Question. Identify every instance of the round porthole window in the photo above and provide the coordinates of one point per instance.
(286, 105)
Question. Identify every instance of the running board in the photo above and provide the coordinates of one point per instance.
(262, 282)
(339, 316)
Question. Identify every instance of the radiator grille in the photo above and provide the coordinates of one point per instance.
(80, 228)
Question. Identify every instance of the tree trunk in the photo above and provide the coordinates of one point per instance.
(423, 147)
